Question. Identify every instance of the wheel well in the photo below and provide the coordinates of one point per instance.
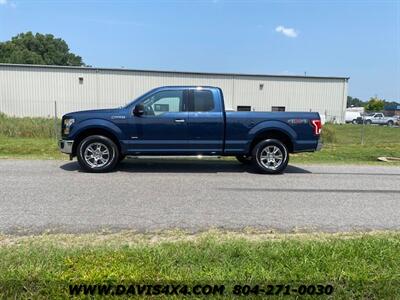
(94, 131)
(273, 134)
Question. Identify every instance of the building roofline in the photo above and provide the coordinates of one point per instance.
(167, 72)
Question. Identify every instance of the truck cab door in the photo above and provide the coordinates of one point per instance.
(162, 128)
(205, 121)
(378, 119)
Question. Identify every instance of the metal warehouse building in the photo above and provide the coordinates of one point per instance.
(31, 90)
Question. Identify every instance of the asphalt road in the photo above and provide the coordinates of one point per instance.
(147, 195)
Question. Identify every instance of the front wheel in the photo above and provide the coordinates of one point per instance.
(97, 154)
(270, 156)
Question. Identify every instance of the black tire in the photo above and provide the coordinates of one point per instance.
(354, 121)
(265, 168)
(368, 122)
(244, 159)
(105, 144)
(390, 123)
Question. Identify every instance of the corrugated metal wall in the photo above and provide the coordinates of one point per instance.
(33, 90)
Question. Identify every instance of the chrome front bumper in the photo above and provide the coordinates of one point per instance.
(66, 146)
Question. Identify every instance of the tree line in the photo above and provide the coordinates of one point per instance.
(38, 49)
(373, 104)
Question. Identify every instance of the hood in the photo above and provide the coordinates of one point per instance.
(93, 112)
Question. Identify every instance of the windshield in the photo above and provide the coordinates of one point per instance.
(142, 96)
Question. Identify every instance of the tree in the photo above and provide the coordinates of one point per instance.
(375, 104)
(355, 102)
(38, 49)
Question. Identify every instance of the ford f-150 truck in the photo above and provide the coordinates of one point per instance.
(379, 118)
(187, 120)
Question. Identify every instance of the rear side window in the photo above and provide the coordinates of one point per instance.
(202, 101)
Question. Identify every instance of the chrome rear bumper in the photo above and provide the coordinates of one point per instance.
(66, 146)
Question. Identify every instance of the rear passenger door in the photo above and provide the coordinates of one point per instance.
(205, 121)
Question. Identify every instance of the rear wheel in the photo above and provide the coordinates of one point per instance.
(390, 123)
(354, 121)
(244, 159)
(270, 156)
(97, 154)
(368, 122)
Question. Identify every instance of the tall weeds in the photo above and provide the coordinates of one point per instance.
(28, 127)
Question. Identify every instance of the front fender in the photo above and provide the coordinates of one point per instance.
(96, 124)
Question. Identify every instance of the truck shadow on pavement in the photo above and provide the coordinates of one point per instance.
(166, 165)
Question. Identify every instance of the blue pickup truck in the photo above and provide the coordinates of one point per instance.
(187, 120)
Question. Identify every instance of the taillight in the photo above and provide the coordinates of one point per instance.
(317, 126)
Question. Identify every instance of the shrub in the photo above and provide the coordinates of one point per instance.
(328, 134)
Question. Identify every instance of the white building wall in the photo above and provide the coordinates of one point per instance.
(33, 90)
(326, 96)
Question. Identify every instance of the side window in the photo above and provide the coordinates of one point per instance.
(163, 102)
(278, 108)
(243, 108)
(203, 100)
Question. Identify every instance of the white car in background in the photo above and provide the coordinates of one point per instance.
(351, 116)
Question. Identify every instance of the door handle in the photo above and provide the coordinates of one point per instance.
(179, 121)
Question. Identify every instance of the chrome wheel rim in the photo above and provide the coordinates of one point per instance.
(97, 155)
(271, 157)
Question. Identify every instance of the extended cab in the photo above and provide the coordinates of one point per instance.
(187, 120)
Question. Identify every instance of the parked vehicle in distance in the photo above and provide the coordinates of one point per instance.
(351, 116)
(187, 120)
(379, 118)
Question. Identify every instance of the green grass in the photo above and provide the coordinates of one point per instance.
(347, 147)
(349, 134)
(353, 154)
(359, 266)
(34, 138)
(29, 148)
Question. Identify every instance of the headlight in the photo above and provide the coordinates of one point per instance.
(67, 124)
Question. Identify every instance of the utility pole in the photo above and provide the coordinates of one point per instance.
(363, 130)
(55, 120)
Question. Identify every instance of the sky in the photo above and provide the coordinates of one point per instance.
(356, 39)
